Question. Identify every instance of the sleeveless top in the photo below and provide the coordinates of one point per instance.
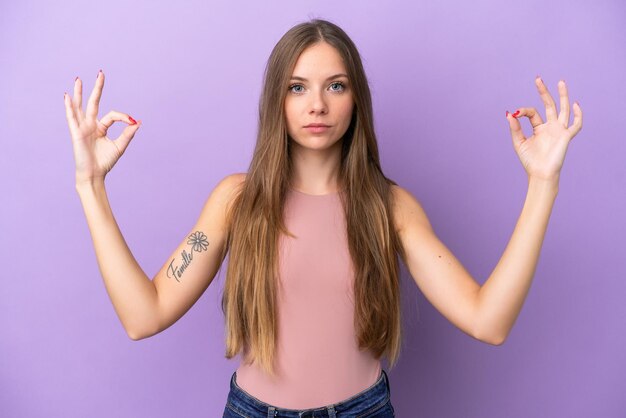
(318, 361)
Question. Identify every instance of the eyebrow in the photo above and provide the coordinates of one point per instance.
(295, 77)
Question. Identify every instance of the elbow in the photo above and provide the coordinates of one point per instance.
(136, 335)
(141, 329)
(490, 338)
(486, 333)
(494, 341)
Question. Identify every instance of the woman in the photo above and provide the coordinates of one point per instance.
(313, 232)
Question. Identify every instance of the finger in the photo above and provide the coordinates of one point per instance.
(577, 125)
(126, 136)
(531, 113)
(94, 99)
(113, 116)
(548, 101)
(564, 106)
(516, 130)
(70, 115)
(78, 97)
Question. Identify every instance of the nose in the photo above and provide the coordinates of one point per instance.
(318, 103)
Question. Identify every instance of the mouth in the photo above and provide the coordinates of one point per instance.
(317, 128)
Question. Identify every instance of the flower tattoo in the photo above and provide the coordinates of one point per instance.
(198, 241)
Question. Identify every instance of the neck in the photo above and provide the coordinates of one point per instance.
(316, 171)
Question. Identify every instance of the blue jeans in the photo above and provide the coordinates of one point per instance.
(373, 402)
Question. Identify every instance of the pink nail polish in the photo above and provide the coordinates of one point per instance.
(507, 113)
(132, 121)
(515, 114)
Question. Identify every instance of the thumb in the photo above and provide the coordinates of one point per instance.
(516, 130)
(126, 136)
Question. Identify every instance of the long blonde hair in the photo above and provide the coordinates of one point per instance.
(255, 215)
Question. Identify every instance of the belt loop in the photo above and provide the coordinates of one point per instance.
(271, 412)
(331, 412)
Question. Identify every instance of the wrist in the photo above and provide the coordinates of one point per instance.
(89, 183)
(544, 185)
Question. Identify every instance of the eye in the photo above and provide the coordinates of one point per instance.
(293, 87)
(340, 86)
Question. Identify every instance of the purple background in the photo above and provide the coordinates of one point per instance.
(442, 76)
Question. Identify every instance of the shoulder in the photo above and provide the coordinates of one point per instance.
(229, 187)
(407, 210)
(223, 194)
(232, 182)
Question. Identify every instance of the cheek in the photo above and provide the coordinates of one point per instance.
(291, 112)
(288, 116)
(347, 111)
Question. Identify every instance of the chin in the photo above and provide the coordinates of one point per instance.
(318, 143)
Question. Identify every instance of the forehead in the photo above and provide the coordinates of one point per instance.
(319, 60)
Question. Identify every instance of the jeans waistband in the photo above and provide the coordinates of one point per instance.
(377, 394)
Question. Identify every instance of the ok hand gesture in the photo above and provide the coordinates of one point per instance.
(94, 153)
(543, 153)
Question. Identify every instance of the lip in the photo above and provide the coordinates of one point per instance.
(316, 129)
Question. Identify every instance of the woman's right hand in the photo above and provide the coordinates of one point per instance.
(94, 153)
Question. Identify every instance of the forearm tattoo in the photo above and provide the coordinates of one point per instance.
(198, 242)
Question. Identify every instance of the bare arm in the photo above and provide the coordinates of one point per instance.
(502, 296)
(146, 307)
(542, 154)
(133, 295)
(488, 312)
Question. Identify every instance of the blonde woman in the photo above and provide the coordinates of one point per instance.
(314, 232)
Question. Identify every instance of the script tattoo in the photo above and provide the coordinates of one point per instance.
(199, 243)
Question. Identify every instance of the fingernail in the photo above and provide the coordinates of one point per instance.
(75, 79)
(98, 74)
(539, 78)
(132, 121)
(578, 104)
(515, 114)
(507, 113)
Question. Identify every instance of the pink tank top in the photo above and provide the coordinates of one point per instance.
(318, 361)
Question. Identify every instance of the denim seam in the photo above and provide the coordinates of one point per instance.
(236, 410)
(375, 408)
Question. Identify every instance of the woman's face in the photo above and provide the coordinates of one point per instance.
(319, 93)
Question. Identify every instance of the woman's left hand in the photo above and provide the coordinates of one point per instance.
(543, 153)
